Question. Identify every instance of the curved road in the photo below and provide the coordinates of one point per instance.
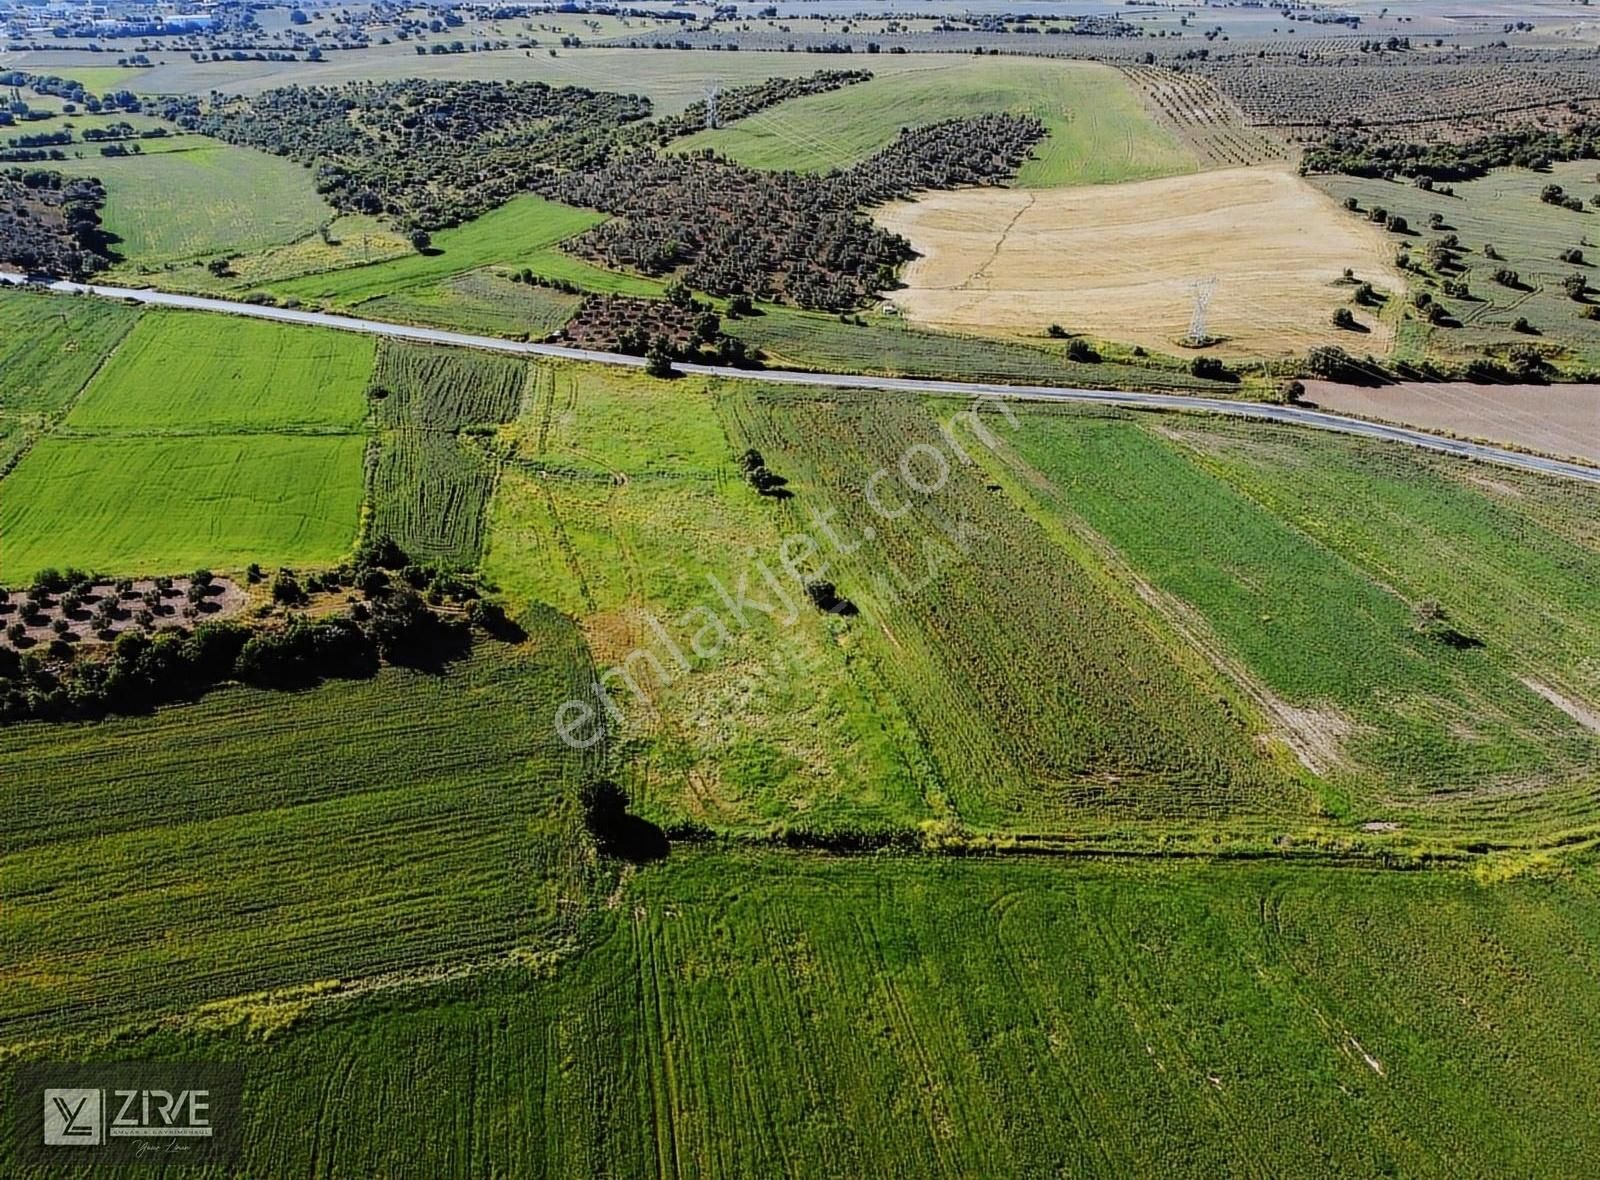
(1166, 401)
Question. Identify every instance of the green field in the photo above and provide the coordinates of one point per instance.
(1502, 210)
(395, 824)
(1163, 840)
(172, 205)
(1305, 562)
(887, 346)
(1098, 130)
(193, 373)
(795, 1016)
(1047, 701)
(49, 347)
(160, 505)
(431, 484)
(617, 500)
(524, 233)
(479, 301)
(202, 440)
(98, 79)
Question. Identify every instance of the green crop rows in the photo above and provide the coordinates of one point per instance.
(398, 823)
(431, 483)
(808, 1017)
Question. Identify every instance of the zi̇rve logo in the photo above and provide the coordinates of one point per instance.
(72, 1117)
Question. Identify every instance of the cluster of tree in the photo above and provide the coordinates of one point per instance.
(758, 475)
(395, 622)
(70, 90)
(429, 153)
(41, 139)
(31, 155)
(565, 286)
(728, 229)
(1362, 153)
(741, 102)
(677, 328)
(50, 224)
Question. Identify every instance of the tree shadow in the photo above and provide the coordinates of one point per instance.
(616, 831)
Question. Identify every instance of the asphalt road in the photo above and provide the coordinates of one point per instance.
(1291, 414)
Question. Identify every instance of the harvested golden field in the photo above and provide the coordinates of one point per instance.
(1557, 419)
(1120, 261)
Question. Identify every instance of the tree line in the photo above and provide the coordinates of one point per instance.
(1362, 153)
(397, 620)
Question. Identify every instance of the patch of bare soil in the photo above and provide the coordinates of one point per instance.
(1556, 419)
(98, 613)
(1580, 713)
(1121, 261)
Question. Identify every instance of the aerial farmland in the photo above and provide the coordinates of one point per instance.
(800, 590)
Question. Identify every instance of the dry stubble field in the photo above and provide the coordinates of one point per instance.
(1558, 419)
(1120, 261)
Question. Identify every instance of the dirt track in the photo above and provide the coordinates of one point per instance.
(1120, 261)
(1556, 419)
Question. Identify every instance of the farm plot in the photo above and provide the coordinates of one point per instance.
(1122, 264)
(158, 505)
(524, 233)
(480, 301)
(1098, 131)
(1413, 98)
(1502, 213)
(669, 78)
(1306, 568)
(1202, 119)
(346, 241)
(444, 388)
(455, 827)
(188, 372)
(431, 485)
(619, 502)
(1047, 701)
(429, 492)
(1560, 419)
(889, 346)
(815, 1017)
(49, 347)
(167, 206)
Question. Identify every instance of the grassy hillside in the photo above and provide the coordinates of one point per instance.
(1099, 131)
(171, 205)
(796, 1016)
